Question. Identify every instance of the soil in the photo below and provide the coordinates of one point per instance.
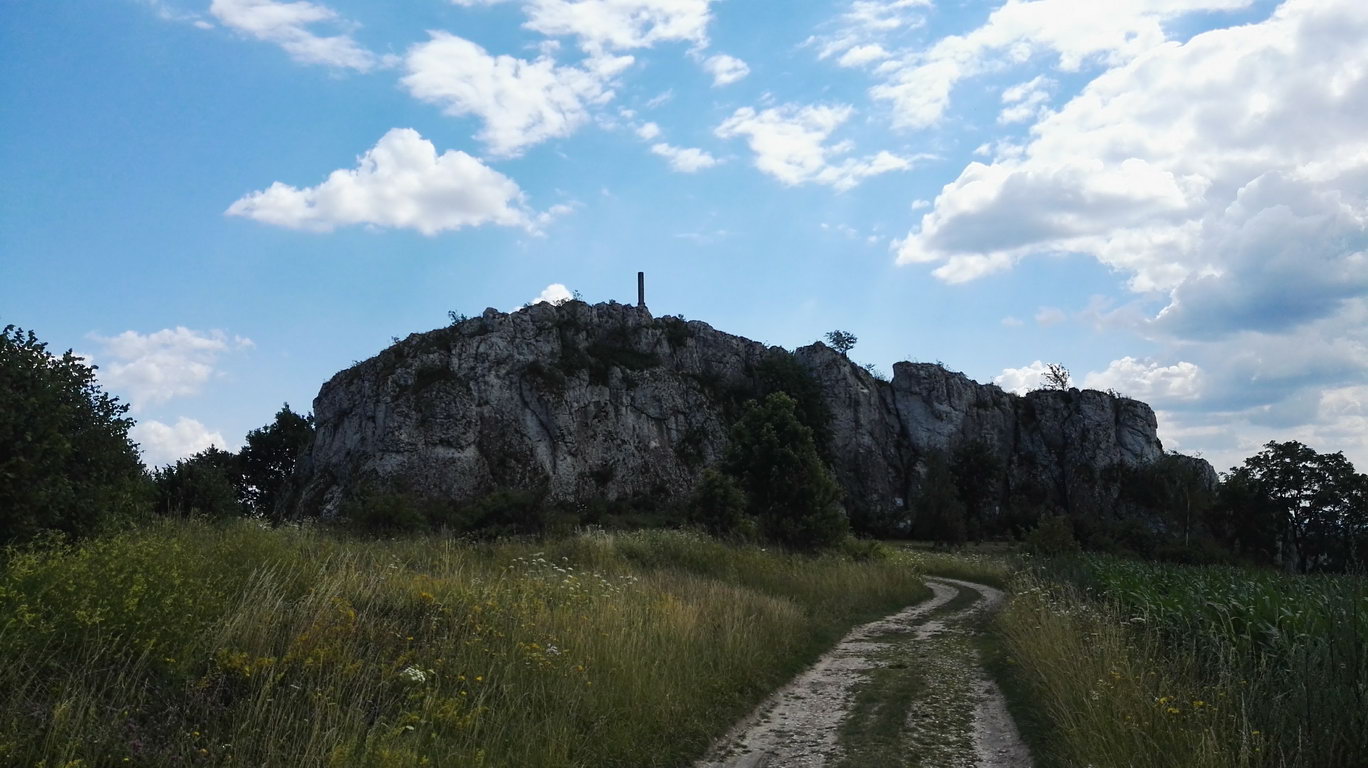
(956, 715)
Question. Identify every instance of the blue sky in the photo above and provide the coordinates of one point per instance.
(224, 202)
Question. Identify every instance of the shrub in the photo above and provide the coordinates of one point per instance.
(1053, 536)
(207, 484)
(717, 505)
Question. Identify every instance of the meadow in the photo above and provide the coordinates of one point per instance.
(188, 643)
(1125, 663)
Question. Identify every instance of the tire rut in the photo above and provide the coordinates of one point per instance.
(800, 725)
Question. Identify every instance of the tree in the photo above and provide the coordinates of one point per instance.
(1056, 376)
(66, 461)
(1320, 504)
(268, 460)
(788, 488)
(940, 512)
(841, 341)
(978, 481)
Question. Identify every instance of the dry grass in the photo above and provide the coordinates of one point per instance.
(189, 644)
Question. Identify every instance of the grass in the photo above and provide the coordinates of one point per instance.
(1134, 664)
(192, 644)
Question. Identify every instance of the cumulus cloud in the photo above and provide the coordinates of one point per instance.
(1147, 380)
(725, 69)
(153, 368)
(1021, 380)
(684, 159)
(647, 131)
(163, 444)
(790, 143)
(1229, 173)
(555, 293)
(918, 85)
(400, 183)
(288, 25)
(521, 102)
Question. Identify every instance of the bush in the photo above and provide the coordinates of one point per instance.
(718, 505)
(67, 462)
(204, 485)
(1052, 537)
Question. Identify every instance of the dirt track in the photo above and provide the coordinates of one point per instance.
(918, 665)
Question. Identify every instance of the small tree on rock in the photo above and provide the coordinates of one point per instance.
(841, 341)
(1056, 376)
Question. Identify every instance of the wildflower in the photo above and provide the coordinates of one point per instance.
(413, 675)
(1173, 710)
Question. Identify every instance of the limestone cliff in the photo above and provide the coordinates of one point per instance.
(606, 401)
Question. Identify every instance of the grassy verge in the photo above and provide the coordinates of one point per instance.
(1130, 664)
(191, 644)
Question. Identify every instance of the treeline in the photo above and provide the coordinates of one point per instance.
(68, 464)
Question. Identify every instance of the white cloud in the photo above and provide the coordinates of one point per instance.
(860, 55)
(860, 33)
(288, 26)
(1012, 322)
(156, 367)
(1048, 316)
(918, 86)
(621, 24)
(521, 102)
(790, 144)
(401, 183)
(1230, 173)
(163, 444)
(555, 293)
(647, 131)
(1021, 380)
(1025, 101)
(684, 159)
(725, 69)
(1147, 380)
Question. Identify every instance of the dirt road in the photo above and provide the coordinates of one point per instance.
(906, 690)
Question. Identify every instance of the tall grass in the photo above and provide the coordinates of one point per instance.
(192, 644)
(1136, 664)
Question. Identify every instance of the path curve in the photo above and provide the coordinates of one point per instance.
(799, 725)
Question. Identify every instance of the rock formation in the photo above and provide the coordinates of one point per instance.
(608, 402)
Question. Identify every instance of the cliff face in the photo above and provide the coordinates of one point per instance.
(606, 401)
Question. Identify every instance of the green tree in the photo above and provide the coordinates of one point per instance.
(207, 484)
(1318, 502)
(718, 504)
(841, 341)
(788, 488)
(268, 459)
(939, 510)
(66, 461)
(978, 481)
(780, 371)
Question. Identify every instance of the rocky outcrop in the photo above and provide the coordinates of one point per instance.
(606, 401)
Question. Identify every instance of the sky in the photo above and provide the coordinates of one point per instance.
(222, 203)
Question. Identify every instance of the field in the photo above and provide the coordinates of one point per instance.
(196, 644)
(1134, 664)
